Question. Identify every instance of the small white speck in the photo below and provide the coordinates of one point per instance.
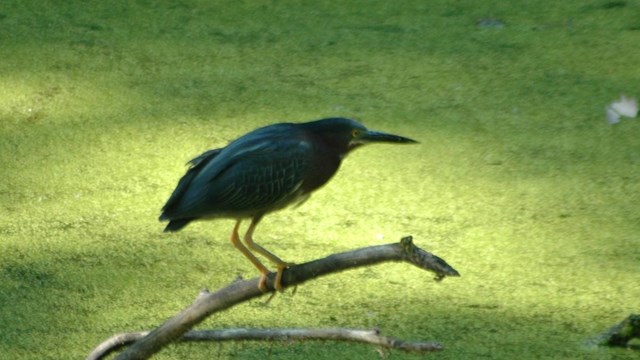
(627, 107)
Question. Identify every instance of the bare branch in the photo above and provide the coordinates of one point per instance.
(336, 334)
(114, 343)
(240, 291)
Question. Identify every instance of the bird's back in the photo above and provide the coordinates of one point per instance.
(261, 171)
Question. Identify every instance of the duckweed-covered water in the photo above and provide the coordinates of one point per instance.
(518, 180)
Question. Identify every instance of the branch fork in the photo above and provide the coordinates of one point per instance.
(146, 344)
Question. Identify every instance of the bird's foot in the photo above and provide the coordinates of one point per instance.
(262, 283)
(280, 268)
(277, 284)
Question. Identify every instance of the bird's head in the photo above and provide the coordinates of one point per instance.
(344, 135)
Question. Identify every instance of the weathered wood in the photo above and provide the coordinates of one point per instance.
(295, 334)
(243, 290)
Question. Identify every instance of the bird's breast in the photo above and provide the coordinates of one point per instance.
(321, 169)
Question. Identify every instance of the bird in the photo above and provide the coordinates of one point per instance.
(263, 171)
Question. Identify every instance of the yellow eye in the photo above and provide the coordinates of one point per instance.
(355, 133)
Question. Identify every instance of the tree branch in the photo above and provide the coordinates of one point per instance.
(336, 334)
(240, 291)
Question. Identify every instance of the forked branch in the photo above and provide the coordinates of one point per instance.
(146, 344)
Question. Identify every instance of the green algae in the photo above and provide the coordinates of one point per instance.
(518, 181)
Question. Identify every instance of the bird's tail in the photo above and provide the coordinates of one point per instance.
(177, 224)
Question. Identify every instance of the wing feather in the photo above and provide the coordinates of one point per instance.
(252, 175)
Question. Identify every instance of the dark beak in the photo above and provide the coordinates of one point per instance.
(380, 137)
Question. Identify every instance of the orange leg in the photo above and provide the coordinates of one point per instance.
(235, 240)
(280, 265)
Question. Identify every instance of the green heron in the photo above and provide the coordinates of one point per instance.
(265, 170)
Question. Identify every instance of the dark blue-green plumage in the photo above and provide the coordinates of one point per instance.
(265, 170)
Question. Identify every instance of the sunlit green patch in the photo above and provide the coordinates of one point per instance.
(518, 181)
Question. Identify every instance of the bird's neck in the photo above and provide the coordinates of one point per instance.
(325, 162)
